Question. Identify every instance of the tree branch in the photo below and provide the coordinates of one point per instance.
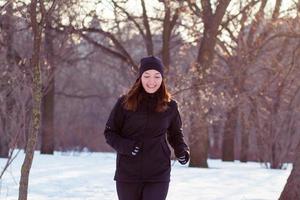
(123, 55)
(207, 11)
(220, 11)
(131, 18)
(194, 8)
(277, 9)
(2, 8)
(76, 96)
(149, 42)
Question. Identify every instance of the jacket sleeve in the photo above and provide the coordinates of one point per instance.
(175, 134)
(113, 129)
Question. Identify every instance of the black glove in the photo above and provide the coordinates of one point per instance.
(135, 150)
(184, 158)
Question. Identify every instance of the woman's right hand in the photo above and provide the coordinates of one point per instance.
(137, 148)
(135, 151)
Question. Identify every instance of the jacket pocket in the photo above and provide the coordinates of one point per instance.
(129, 166)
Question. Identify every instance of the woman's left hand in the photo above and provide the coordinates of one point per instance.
(184, 158)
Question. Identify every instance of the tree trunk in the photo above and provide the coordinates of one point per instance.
(8, 27)
(47, 132)
(291, 190)
(37, 96)
(47, 129)
(149, 42)
(215, 150)
(229, 135)
(4, 147)
(198, 137)
(276, 11)
(245, 130)
(199, 126)
(28, 120)
(166, 37)
(168, 26)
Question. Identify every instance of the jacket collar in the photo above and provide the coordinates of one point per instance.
(148, 101)
(149, 96)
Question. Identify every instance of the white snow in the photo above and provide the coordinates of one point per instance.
(89, 176)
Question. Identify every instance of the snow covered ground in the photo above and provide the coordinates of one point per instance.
(89, 176)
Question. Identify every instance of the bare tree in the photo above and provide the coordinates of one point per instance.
(6, 134)
(276, 98)
(37, 97)
(292, 188)
(237, 65)
(47, 127)
(199, 126)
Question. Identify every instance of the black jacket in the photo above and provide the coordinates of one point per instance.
(148, 129)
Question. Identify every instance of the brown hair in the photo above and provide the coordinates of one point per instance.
(133, 97)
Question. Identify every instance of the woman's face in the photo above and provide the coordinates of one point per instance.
(151, 80)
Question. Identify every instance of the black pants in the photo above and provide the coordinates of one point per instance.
(142, 191)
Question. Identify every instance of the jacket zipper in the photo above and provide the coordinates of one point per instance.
(142, 153)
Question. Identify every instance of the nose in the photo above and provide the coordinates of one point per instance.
(152, 81)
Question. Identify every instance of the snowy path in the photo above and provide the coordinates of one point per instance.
(89, 176)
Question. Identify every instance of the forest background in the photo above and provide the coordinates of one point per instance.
(232, 66)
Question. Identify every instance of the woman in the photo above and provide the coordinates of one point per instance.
(137, 129)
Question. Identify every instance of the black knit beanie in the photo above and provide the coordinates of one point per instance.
(151, 62)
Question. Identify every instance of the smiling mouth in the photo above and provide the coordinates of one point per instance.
(151, 87)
